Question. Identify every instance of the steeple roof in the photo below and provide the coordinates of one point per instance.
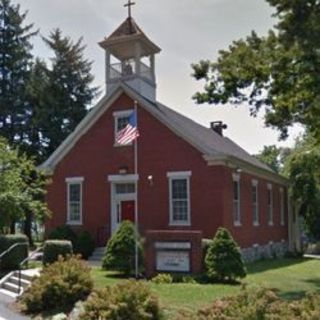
(127, 33)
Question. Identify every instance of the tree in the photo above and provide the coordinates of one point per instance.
(279, 71)
(22, 189)
(120, 250)
(15, 61)
(65, 99)
(303, 169)
(223, 259)
(274, 157)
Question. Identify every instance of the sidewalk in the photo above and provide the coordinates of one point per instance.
(7, 314)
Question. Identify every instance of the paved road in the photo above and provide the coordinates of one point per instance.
(7, 314)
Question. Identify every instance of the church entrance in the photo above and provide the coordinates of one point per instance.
(123, 198)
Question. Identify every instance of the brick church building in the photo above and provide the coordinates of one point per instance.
(178, 175)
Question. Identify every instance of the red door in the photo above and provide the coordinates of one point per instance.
(127, 210)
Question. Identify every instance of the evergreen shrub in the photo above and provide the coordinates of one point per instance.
(129, 300)
(120, 250)
(12, 260)
(223, 259)
(84, 245)
(162, 278)
(60, 285)
(54, 248)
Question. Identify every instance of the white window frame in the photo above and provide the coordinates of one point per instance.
(173, 176)
(237, 217)
(282, 206)
(69, 182)
(255, 205)
(270, 205)
(117, 115)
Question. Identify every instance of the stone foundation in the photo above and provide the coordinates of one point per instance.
(266, 251)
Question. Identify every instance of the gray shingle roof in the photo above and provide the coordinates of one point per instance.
(212, 142)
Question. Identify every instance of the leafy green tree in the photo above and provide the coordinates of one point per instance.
(22, 189)
(274, 157)
(66, 94)
(15, 62)
(223, 259)
(120, 250)
(279, 72)
(303, 169)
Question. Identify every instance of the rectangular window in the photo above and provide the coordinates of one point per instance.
(255, 203)
(121, 119)
(74, 203)
(236, 200)
(270, 205)
(282, 213)
(179, 185)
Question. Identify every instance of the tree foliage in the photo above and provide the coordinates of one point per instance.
(223, 259)
(22, 188)
(279, 72)
(15, 62)
(120, 250)
(274, 157)
(66, 92)
(303, 169)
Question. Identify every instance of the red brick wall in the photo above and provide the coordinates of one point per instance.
(248, 234)
(94, 157)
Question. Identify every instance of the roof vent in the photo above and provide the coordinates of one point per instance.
(218, 127)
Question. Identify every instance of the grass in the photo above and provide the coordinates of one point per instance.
(292, 278)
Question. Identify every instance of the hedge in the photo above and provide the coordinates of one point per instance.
(12, 260)
(54, 248)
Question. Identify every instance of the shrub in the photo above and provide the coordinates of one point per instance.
(63, 233)
(261, 304)
(54, 248)
(84, 244)
(59, 286)
(162, 278)
(129, 300)
(12, 260)
(120, 250)
(223, 260)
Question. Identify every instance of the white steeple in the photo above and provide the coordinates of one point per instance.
(130, 58)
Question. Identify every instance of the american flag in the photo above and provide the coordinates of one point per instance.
(130, 132)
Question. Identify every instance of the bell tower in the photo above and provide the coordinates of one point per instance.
(130, 58)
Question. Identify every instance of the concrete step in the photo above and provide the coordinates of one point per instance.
(24, 283)
(7, 296)
(11, 287)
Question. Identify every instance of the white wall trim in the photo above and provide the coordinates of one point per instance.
(177, 174)
(74, 179)
(122, 113)
(123, 177)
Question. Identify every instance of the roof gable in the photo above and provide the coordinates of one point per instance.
(205, 140)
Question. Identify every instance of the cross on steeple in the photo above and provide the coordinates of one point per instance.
(129, 5)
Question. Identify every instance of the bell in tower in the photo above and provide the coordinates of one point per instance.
(130, 58)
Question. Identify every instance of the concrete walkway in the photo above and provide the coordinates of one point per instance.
(7, 314)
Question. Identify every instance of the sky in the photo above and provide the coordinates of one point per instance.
(186, 30)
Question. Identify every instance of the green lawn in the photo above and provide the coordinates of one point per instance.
(291, 277)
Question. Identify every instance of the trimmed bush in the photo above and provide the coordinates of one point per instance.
(12, 260)
(54, 248)
(120, 250)
(223, 259)
(129, 300)
(84, 245)
(60, 285)
(162, 278)
(63, 233)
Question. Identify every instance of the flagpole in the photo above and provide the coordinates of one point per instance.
(136, 202)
